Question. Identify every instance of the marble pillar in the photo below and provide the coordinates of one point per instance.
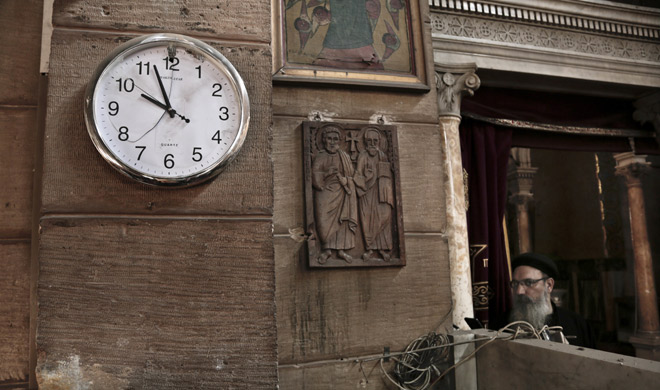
(452, 84)
(520, 181)
(646, 338)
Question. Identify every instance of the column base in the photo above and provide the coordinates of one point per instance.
(647, 345)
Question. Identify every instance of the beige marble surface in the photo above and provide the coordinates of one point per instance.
(459, 250)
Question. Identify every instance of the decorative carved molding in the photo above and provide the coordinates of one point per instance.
(466, 188)
(520, 175)
(631, 167)
(596, 131)
(543, 17)
(512, 32)
(452, 87)
(482, 294)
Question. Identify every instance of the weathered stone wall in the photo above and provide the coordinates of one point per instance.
(20, 40)
(328, 318)
(168, 289)
(147, 288)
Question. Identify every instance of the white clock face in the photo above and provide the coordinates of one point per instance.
(167, 110)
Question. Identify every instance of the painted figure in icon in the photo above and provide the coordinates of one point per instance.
(335, 201)
(373, 181)
(349, 41)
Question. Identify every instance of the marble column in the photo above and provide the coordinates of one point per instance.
(646, 338)
(520, 180)
(452, 84)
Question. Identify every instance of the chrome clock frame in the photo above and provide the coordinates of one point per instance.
(187, 43)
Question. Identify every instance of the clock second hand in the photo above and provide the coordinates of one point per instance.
(148, 131)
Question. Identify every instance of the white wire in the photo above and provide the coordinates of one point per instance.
(523, 328)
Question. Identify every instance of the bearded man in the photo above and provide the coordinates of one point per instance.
(373, 180)
(335, 203)
(532, 284)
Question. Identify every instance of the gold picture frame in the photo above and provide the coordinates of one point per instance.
(373, 43)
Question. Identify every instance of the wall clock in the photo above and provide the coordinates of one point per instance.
(167, 110)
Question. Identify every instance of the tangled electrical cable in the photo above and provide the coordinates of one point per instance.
(416, 367)
(527, 330)
(418, 363)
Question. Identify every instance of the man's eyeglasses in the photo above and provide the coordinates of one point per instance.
(525, 282)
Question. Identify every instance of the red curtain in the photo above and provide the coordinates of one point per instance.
(485, 152)
(562, 109)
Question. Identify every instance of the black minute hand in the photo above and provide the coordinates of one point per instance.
(162, 89)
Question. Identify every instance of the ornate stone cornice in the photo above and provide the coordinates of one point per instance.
(510, 32)
(545, 127)
(571, 15)
(453, 82)
(572, 39)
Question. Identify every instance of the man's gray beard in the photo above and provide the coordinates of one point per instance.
(534, 312)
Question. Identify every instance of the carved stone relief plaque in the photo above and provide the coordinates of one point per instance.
(352, 195)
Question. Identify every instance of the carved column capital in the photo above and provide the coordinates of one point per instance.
(453, 82)
(520, 175)
(521, 180)
(631, 167)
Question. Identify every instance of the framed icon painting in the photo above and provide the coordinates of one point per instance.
(375, 43)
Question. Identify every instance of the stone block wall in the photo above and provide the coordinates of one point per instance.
(328, 320)
(145, 288)
(142, 287)
(20, 41)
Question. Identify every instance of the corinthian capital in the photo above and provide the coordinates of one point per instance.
(454, 82)
(631, 167)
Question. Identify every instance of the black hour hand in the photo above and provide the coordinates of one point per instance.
(156, 102)
(164, 107)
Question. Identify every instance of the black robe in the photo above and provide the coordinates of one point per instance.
(576, 330)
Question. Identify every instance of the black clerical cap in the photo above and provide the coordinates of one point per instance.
(540, 262)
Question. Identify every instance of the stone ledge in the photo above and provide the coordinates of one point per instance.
(597, 17)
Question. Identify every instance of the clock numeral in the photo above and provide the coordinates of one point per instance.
(216, 91)
(141, 151)
(169, 161)
(171, 63)
(197, 156)
(216, 137)
(128, 85)
(224, 113)
(199, 71)
(114, 108)
(146, 66)
(123, 133)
